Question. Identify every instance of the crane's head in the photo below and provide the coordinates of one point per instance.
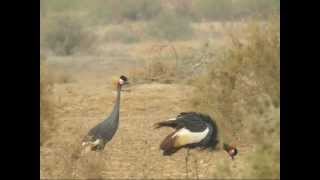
(231, 150)
(123, 80)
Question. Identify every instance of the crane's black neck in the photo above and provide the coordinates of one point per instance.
(115, 112)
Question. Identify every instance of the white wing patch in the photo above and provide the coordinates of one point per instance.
(193, 137)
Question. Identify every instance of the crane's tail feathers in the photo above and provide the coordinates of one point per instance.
(169, 123)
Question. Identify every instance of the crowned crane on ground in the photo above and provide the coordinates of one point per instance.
(191, 130)
(103, 132)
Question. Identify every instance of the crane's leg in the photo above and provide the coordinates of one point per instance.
(196, 164)
(187, 159)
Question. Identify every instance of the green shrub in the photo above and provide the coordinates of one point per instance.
(170, 26)
(66, 35)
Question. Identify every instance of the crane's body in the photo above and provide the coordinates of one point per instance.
(105, 130)
(191, 130)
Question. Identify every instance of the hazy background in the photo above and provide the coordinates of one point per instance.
(220, 57)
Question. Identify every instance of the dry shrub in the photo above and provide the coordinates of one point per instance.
(214, 9)
(47, 107)
(242, 91)
(66, 35)
(114, 11)
(170, 26)
(246, 77)
(163, 71)
(122, 35)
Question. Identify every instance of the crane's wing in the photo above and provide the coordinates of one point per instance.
(189, 120)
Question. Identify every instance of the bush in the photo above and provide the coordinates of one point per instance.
(184, 8)
(66, 35)
(156, 70)
(114, 11)
(229, 9)
(244, 80)
(62, 5)
(140, 9)
(255, 7)
(214, 9)
(170, 26)
(121, 34)
(242, 91)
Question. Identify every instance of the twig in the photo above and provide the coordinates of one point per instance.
(175, 54)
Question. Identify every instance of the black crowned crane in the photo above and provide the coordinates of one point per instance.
(103, 132)
(191, 130)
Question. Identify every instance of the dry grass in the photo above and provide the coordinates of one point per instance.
(154, 71)
(121, 34)
(242, 90)
(48, 79)
(66, 35)
(168, 25)
(46, 110)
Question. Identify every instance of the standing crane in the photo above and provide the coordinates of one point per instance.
(103, 132)
(191, 130)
